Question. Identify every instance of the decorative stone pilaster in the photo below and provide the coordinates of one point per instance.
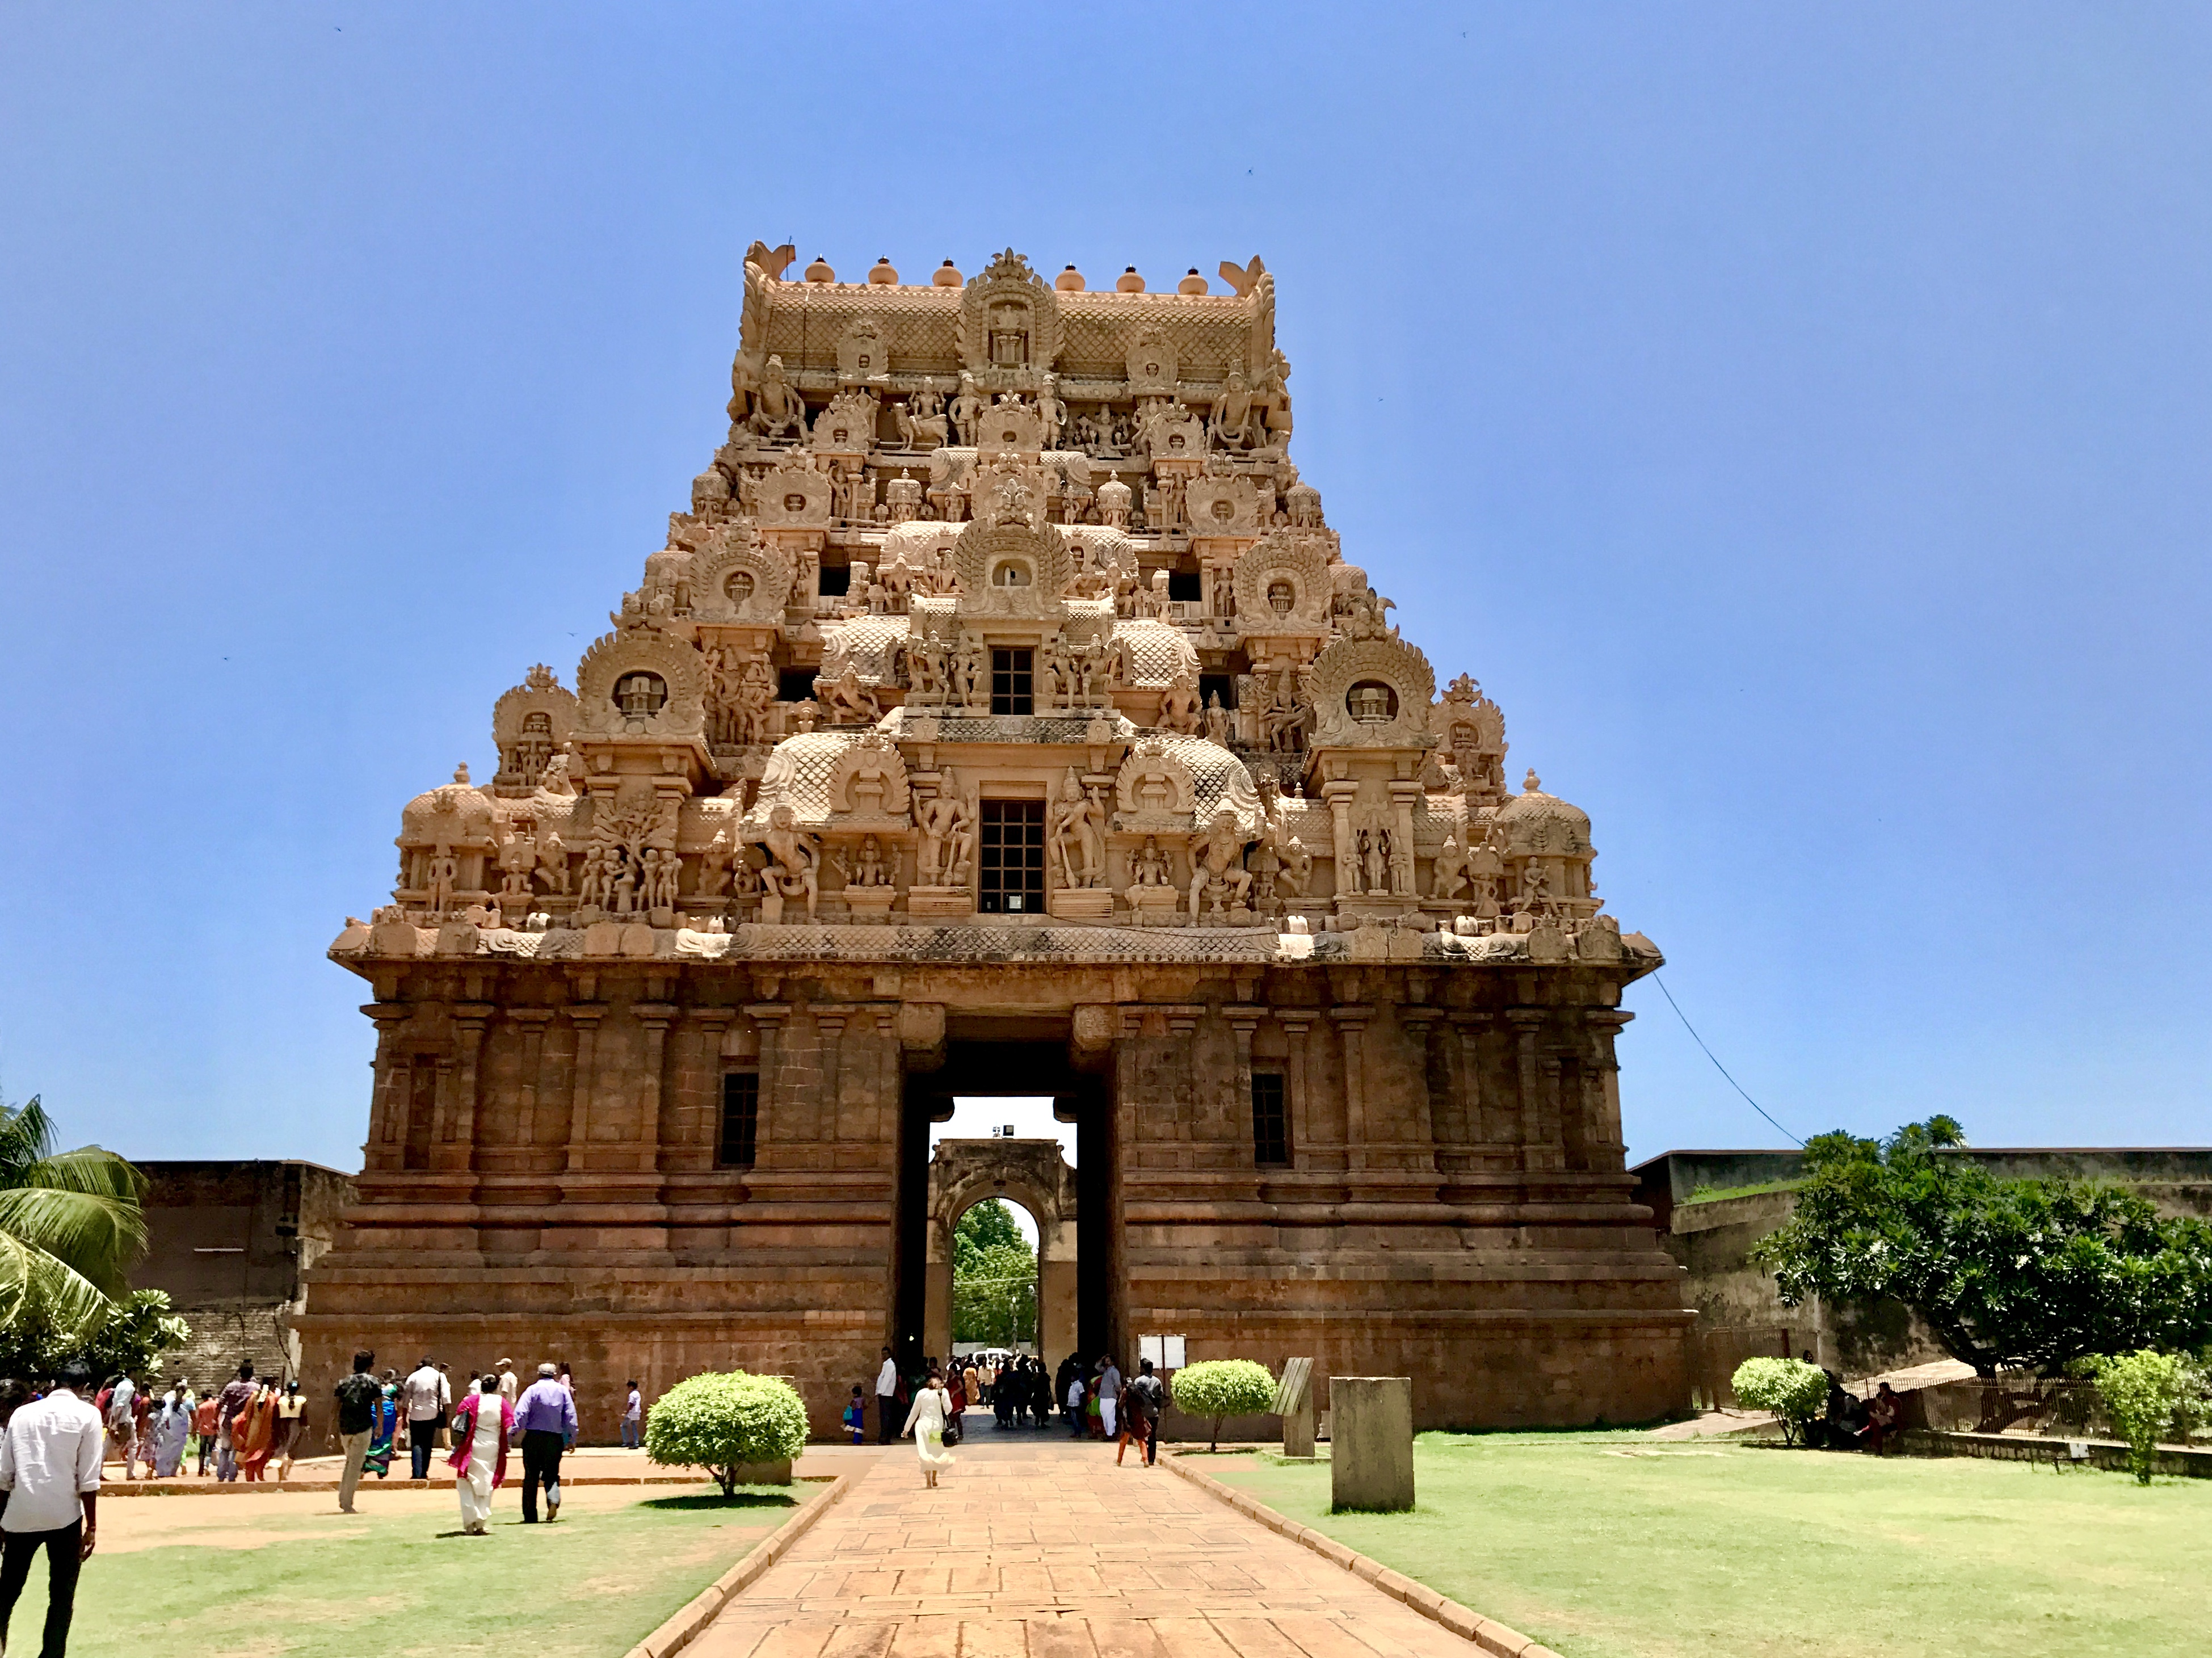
(1351, 1027)
(770, 1019)
(532, 1021)
(386, 1146)
(1295, 1027)
(655, 1017)
(1539, 1129)
(585, 1017)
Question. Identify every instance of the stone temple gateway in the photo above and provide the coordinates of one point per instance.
(1003, 717)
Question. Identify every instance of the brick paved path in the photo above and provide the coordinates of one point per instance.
(1044, 1549)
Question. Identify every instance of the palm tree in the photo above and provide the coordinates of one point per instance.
(70, 1224)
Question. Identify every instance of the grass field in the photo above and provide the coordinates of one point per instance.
(1612, 1545)
(287, 1576)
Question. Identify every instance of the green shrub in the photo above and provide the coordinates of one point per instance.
(724, 1420)
(1218, 1388)
(2147, 1395)
(1795, 1391)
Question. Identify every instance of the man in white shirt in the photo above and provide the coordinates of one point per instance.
(49, 1457)
(1110, 1396)
(510, 1385)
(424, 1392)
(888, 1417)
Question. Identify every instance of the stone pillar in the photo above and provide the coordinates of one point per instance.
(387, 1147)
(1350, 1023)
(1421, 1021)
(831, 1025)
(1295, 1028)
(533, 1021)
(1602, 1084)
(768, 1018)
(698, 1092)
(656, 1017)
(1243, 1021)
(1539, 1135)
(585, 1017)
(1339, 797)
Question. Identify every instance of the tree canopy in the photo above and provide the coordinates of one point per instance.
(994, 1277)
(70, 1224)
(2008, 1273)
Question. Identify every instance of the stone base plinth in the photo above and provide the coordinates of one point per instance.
(1080, 904)
(870, 906)
(940, 903)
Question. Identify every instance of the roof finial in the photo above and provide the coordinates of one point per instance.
(461, 772)
(1532, 784)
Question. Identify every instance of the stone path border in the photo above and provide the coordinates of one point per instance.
(698, 1611)
(1487, 1633)
(371, 1484)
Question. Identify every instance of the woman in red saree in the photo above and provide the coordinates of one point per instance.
(482, 1426)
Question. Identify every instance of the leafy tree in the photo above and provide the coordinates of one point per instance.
(70, 1224)
(134, 1332)
(2147, 1395)
(1795, 1391)
(2009, 1273)
(725, 1421)
(1219, 1388)
(994, 1277)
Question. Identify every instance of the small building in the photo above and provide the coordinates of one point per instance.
(1712, 1206)
(229, 1242)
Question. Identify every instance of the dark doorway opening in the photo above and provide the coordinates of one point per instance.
(1020, 1065)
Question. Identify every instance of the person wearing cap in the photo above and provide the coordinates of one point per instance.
(546, 1419)
(510, 1387)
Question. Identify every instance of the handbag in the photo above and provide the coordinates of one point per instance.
(952, 1431)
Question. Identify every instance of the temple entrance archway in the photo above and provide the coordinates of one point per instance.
(1073, 1207)
(1033, 1173)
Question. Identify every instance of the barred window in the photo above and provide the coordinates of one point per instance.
(1011, 673)
(1271, 1122)
(1011, 860)
(740, 1120)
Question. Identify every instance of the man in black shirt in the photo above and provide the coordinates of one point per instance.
(357, 1396)
(1142, 1400)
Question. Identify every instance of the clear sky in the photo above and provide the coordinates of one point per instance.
(1796, 416)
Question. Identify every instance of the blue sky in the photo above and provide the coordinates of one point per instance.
(1797, 418)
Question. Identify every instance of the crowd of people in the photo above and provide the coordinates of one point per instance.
(1090, 1399)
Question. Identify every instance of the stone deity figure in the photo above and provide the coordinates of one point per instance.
(1485, 868)
(868, 868)
(967, 407)
(1535, 889)
(1148, 873)
(1448, 874)
(795, 860)
(973, 680)
(445, 875)
(715, 866)
(777, 407)
(1297, 870)
(518, 862)
(624, 899)
(947, 836)
(1076, 832)
(552, 862)
(1217, 855)
(1282, 721)
(1052, 409)
(1060, 683)
(591, 885)
(1179, 708)
(1217, 720)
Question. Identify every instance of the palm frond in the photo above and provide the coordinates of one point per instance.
(88, 1168)
(97, 1236)
(34, 1282)
(26, 1137)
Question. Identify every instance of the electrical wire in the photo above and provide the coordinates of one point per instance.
(1709, 1054)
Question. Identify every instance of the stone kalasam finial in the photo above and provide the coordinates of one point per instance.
(461, 772)
(1532, 784)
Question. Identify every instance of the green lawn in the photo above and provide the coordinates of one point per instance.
(595, 1583)
(1609, 1545)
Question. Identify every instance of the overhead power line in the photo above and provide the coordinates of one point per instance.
(1717, 1065)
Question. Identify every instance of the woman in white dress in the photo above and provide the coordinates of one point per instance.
(933, 1407)
(481, 1427)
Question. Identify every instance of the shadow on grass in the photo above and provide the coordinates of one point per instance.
(716, 1500)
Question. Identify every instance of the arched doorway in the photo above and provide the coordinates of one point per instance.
(1033, 1173)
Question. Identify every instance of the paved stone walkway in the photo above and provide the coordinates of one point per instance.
(1044, 1549)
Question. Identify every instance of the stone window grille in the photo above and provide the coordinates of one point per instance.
(1271, 1121)
(741, 1135)
(1013, 679)
(1012, 857)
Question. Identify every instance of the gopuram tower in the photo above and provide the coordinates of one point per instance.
(1003, 717)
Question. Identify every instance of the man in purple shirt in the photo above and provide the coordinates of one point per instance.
(546, 1418)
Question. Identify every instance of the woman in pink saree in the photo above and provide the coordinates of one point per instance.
(482, 1426)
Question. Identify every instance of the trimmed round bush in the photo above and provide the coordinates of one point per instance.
(1795, 1391)
(1218, 1388)
(724, 1420)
